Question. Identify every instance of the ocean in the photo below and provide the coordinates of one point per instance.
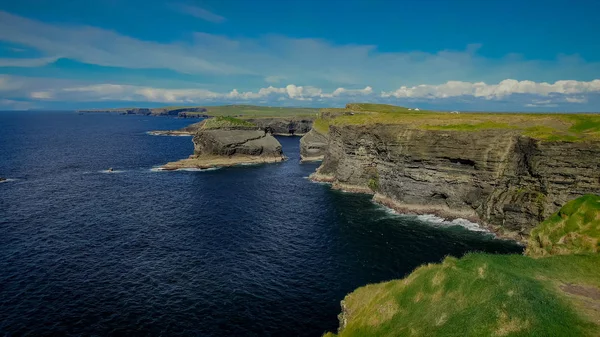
(242, 251)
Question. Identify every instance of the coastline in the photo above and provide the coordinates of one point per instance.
(206, 162)
(444, 213)
(170, 133)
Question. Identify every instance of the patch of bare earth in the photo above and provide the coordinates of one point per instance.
(586, 297)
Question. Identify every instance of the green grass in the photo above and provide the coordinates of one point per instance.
(477, 295)
(248, 111)
(493, 295)
(575, 228)
(547, 127)
(224, 122)
(242, 110)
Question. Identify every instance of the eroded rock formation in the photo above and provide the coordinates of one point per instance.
(499, 178)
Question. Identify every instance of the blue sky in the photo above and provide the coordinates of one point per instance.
(462, 54)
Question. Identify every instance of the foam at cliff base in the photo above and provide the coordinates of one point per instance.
(190, 169)
(437, 221)
(154, 133)
(472, 226)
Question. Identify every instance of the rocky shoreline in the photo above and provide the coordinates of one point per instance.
(499, 178)
(207, 162)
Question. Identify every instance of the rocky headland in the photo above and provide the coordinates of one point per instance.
(277, 126)
(505, 172)
(227, 141)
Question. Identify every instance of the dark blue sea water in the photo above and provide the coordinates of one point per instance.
(243, 251)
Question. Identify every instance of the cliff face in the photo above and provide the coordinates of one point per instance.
(220, 142)
(496, 177)
(236, 141)
(313, 146)
(282, 126)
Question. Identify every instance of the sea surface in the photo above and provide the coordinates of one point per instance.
(242, 251)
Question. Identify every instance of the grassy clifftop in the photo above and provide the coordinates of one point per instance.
(224, 122)
(575, 228)
(570, 127)
(490, 295)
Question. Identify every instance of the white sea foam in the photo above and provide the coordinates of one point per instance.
(111, 172)
(8, 180)
(190, 169)
(154, 133)
(435, 220)
(438, 221)
(198, 169)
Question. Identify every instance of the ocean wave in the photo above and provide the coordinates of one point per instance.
(437, 221)
(433, 219)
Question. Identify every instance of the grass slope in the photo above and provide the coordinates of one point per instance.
(575, 228)
(253, 111)
(489, 295)
(224, 122)
(569, 127)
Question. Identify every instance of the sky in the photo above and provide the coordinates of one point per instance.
(509, 55)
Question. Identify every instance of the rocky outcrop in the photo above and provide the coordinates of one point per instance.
(230, 146)
(313, 146)
(278, 126)
(499, 178)
(284, 126)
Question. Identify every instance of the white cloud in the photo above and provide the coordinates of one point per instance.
(507, 93)
(495, 91)
(199, 12)
(576, 99)
(25, 62)
(106, 48)
(274, 79)
(275, 59)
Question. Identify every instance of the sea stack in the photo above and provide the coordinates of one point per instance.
(228, 141)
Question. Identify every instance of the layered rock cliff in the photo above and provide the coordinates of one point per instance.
(279, 126)
(313, 146)
(228, 141)
(284, 126)
(496, 177)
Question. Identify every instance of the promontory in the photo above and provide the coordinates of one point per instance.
(228, 141)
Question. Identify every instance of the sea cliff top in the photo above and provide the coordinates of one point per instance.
(544, 126)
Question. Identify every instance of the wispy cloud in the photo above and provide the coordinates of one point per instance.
(528, 94)
(275, 59)
(199, 12)
(27, 62)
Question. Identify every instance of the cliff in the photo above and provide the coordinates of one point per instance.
(492, 295)
(313, 146)
(278, 126)
(284, 126)
(506, 177)
(225, 141)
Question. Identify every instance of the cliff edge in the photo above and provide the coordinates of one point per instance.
(493, 295)
(505, 171)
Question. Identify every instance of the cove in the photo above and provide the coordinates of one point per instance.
(248, 250)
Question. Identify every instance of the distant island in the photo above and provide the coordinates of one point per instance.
(211, 111)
